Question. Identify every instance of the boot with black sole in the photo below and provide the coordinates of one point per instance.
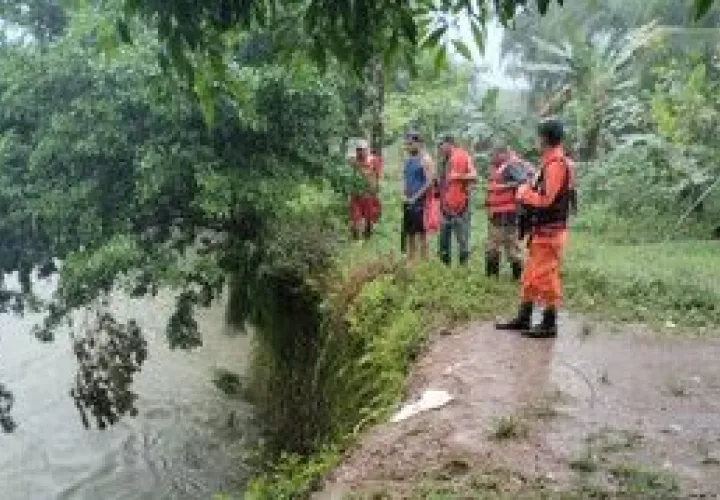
(463, 259)
(446, 259)
(547, 329)
(522, 322)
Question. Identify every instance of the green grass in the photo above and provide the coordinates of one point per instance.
(663, 284)
(509, 427)
(639, 481)
(673, 283)
(586, 463)
(543, 407)
(630, 482)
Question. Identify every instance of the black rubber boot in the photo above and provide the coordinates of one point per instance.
(547, 329)
(492, 264)
(463, 258)
(523, 320)
(516, 270)
(445, 258)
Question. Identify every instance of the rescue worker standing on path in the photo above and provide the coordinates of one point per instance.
(417, 178)
(547, 205)
(502, 211)
(455, 201)
(364, 204)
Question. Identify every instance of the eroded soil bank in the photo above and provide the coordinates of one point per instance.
(614, 410)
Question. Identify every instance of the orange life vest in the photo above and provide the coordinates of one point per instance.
(500, 200)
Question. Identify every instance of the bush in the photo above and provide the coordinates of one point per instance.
(648, 189)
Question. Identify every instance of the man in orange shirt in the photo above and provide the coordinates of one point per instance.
(365, 205)
(547, 204)
(455, 186)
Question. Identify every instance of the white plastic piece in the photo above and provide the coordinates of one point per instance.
(430, 400)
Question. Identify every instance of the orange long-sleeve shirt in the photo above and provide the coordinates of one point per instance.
(555, 170)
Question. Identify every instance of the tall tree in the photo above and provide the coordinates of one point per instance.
(118, 175)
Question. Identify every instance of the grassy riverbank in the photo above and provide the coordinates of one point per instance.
(382, 313)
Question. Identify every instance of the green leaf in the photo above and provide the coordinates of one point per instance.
(107, 39)
(543, 6)
(409, 27)
(702, 7)
(123, 31)
(434, 38)
(163, 61)
(478, 35)
(462, 49)
(441, 61)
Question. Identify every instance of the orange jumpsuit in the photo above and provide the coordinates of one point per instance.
(541, 282)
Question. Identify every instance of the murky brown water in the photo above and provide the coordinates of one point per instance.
(184, 444)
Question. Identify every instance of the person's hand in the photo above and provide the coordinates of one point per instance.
(521, 191)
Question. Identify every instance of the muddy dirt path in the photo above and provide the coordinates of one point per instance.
(556, 410)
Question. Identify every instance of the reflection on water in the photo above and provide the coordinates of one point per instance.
(180, 446)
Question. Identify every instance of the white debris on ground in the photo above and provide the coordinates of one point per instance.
(430, 400)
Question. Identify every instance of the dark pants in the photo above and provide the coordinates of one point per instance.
(413, 222)
(413, 219)
(460, 226)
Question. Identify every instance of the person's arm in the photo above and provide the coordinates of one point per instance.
(499, 186)
(469, 174)
(555, 173)
(429, 167)
(495, 186)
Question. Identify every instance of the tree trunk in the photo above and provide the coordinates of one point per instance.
(376, 91)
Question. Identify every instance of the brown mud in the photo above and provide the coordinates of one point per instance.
(552, 409)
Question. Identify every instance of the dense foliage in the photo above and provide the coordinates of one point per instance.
(116, 174)
(354, 32)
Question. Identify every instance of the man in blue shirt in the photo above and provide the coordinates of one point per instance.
(418, 175)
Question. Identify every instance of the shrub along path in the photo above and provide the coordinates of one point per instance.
(593, 415)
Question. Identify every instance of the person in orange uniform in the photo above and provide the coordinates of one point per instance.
(365, 205)
(455, 187)
(503, 211)
(548, 204)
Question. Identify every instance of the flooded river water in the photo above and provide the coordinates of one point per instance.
(187, 441)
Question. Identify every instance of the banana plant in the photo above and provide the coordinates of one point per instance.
(600, 69)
